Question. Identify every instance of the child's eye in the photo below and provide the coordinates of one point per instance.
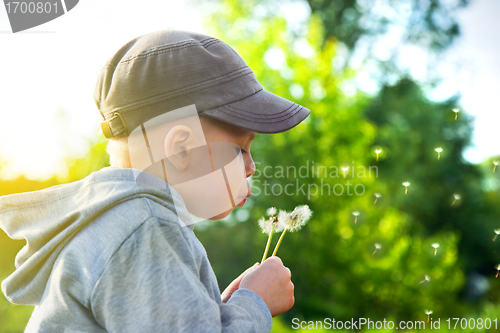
(243, 151)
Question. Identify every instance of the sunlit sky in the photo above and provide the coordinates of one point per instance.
(48, 73)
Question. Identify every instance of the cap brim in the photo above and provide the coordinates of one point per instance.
(262, 112)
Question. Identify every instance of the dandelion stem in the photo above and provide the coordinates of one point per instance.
(494, 167)
(456, 115)
(495, 238)
(435, 251)
(375, 201)
(374, 252)
(279, 242)
(406, 190)
(267, 246)
(497, 274)
(453, 202)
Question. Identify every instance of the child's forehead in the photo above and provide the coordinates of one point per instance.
(220, 128)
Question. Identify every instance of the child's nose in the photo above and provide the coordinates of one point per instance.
(250, 169)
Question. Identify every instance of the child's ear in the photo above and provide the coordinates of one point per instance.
(177, 145)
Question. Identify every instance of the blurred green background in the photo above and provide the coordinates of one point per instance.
(333, 267)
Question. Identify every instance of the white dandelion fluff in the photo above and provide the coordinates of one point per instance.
(292, 221)
(344, 170)
(426, 278)
(456, 110)
(406, 184)
(355, 213)
(378, 246)
(271, 211)
(456, 197)
(377, 195)
(439, 150)
(497, 232)
(428, 313)
(435, 246)
(270, 226)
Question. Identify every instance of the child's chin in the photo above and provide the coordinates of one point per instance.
(221, 216)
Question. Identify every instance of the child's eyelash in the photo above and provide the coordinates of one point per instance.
(243, 151)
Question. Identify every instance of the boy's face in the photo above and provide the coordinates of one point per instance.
(222, 132)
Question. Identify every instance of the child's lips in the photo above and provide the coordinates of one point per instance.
(243, 200)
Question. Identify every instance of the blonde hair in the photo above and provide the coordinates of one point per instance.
(117, 150)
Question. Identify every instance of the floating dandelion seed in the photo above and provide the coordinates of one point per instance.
(497, 232)
(495, 165)
(426, 278)
(439, 150)
(292, 221)
(406, 184)
(498, 270)
(377, 195)
(344, 169)
(270, 226)
(428, 313)
(457, 197)
(355, 213)
(456, 112)
(378, 151)
(271, 211)
(435, 246)
(377, 247)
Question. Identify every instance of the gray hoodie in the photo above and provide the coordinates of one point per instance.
(106, 255)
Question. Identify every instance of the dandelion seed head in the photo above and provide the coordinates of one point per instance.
(271, 224)
(296, 219)
(427, 278)
(495, 162)
(435, 245)
(378, 151)
(439, 149)
(378, 246)
(271, 211)
(456, 110)
(497, 231)
(406, 184)
(428, 312)
(355, 213)
(344, 168)
(456, 196)
(378, 195)
(497, 267)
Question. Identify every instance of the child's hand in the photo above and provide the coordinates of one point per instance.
(271, 281)
(233, 286)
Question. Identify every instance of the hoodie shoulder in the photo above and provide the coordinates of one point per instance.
(105, 205)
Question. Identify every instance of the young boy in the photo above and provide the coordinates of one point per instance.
(115, 252)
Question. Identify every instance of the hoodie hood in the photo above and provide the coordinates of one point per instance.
(50, 218)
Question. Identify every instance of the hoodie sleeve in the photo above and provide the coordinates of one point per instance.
(153, 283)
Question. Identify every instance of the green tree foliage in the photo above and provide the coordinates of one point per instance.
(334, 268)
(410, 128)
(430, 24)
(335, 271)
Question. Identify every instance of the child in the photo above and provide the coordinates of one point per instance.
(115, 252)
